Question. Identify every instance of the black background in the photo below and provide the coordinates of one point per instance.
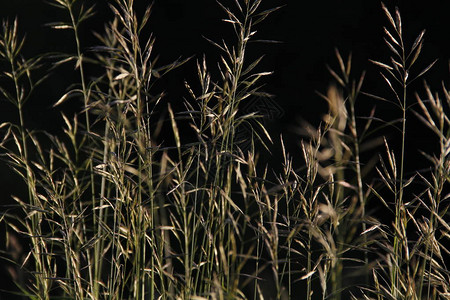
(308, 33)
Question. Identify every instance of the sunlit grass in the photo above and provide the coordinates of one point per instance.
(114, 211)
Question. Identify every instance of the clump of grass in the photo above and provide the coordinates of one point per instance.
(18, 72)
(115, 211)
(405, 258)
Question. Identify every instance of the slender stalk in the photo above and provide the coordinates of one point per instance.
(10, 43)
(95, 269)
(359, 181)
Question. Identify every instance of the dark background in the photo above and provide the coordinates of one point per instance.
(308, 34)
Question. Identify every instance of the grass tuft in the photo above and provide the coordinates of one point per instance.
(139, 199)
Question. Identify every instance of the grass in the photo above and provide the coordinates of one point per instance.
(116, 208)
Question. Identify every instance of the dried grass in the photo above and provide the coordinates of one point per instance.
(113, 212)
